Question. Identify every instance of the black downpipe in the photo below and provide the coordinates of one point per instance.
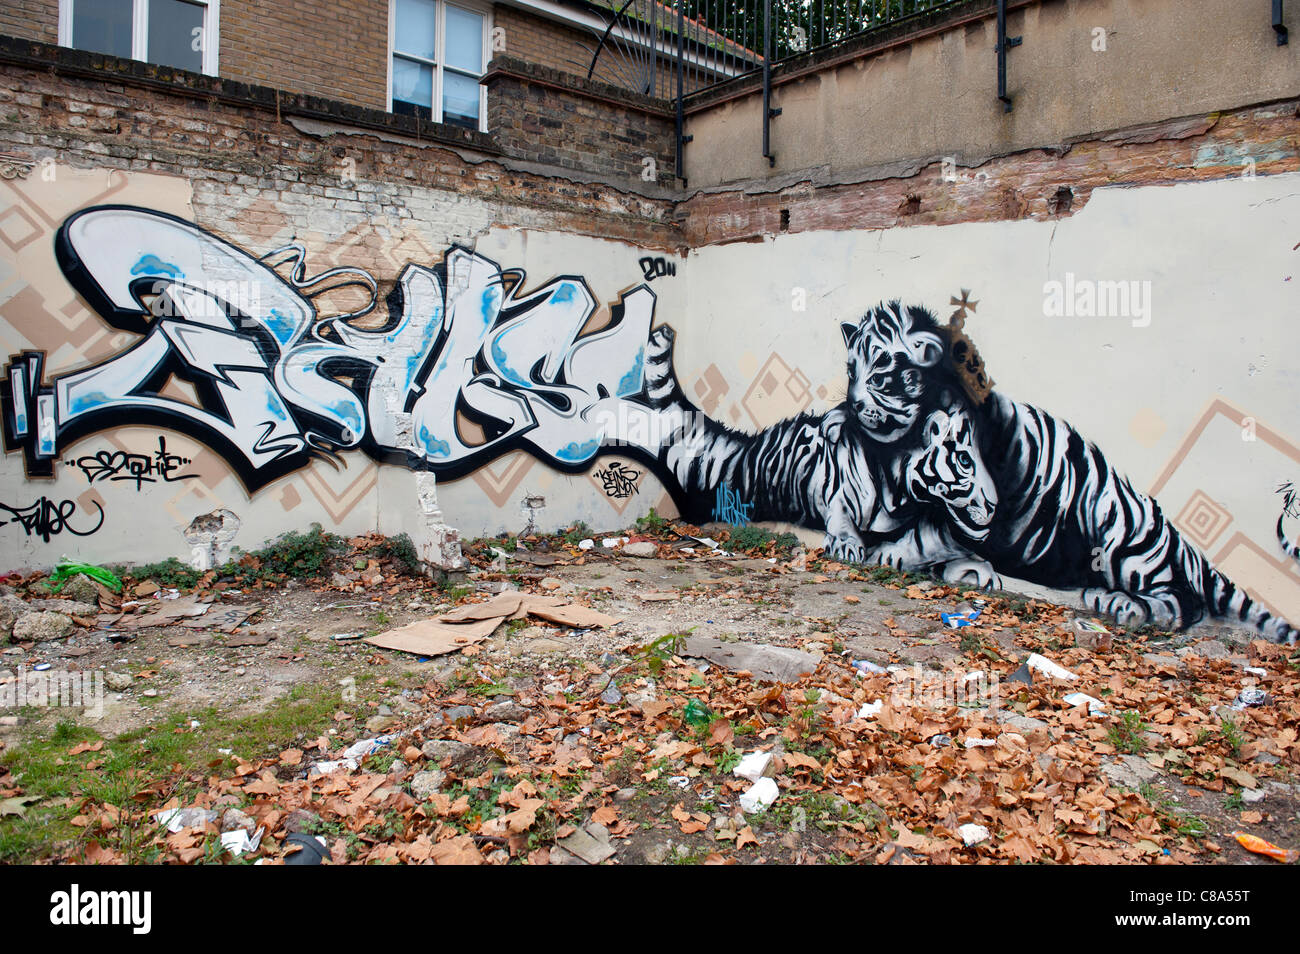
(1006, 43)
(768, 112)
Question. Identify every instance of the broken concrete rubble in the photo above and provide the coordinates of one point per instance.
(766, 663)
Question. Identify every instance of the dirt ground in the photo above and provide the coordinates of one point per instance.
(655, 788)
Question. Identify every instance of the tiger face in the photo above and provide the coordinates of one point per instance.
(949, 471)
(889, 351)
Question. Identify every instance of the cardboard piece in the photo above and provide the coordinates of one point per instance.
(475, 622)
(430, 637)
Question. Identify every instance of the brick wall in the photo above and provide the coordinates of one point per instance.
(240, 153)
(30, 19)
(555, 118)
(320, 47)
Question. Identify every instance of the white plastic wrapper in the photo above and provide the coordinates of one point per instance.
(1095, 706)
(1048, 668)
(240, 842)
(870, 710)
(972, 835)
(753, 766)
(759, 795)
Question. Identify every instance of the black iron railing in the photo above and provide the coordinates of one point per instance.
(717, 40)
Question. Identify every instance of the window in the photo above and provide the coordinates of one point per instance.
(439, 49)
(178, 33)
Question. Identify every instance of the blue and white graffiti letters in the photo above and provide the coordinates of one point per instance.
(277, 384)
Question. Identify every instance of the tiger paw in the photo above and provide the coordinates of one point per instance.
(975, 573)
(846, 549)
(1127, 610)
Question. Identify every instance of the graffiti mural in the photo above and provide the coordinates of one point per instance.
(277, 384)
(925, 466)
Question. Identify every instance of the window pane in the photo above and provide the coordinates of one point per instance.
(176, 34)
(412, 83)
(416, 27)
(459, 100)
(102, 26)
(464, 40)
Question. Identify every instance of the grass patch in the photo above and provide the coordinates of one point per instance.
(1126, 735)
(750, 537)
(142, 769)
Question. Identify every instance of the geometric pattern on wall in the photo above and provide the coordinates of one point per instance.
(777, 392)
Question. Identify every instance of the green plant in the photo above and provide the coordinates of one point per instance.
(658, 652)
(1232, 735)
(750, 537)
(401, 549)
(299, 555)
(1126, 735)
(651, 523)
(577, 533)
(170, 572)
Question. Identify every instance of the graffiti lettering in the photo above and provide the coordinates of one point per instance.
(728, 507)
(619, 480)
(141, 468)
(464, 352)
(660, 267)
(47, 518)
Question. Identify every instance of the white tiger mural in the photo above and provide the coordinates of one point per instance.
(918, 470)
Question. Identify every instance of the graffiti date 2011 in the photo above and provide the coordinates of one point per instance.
(659, 267)
(47, 518)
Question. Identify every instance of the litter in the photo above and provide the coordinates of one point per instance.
(239, 841)
(753, 766)
(1259, 846)
(1042, 664)
(972, 835)
(680, 781)
(758, 796)
(941, 741)
(359, 750)
(40, 667)
(1090, 635)
(304, 849)
(963, 618)
(341, 637)
(870, 710)
(586, 544)
(475, 622)
(697, 713)
(1251, 698)
(610, 543)
(178, 819)
(975, 743)
(866, 667)
(328, 768)
(1095, 706)
(66, 570)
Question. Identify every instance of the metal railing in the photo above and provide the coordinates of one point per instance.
(717, 40)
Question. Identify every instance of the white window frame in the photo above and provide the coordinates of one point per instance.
(439, 63)
(140, 30)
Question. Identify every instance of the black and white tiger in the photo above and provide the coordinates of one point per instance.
(910, 471)
(830, 472)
